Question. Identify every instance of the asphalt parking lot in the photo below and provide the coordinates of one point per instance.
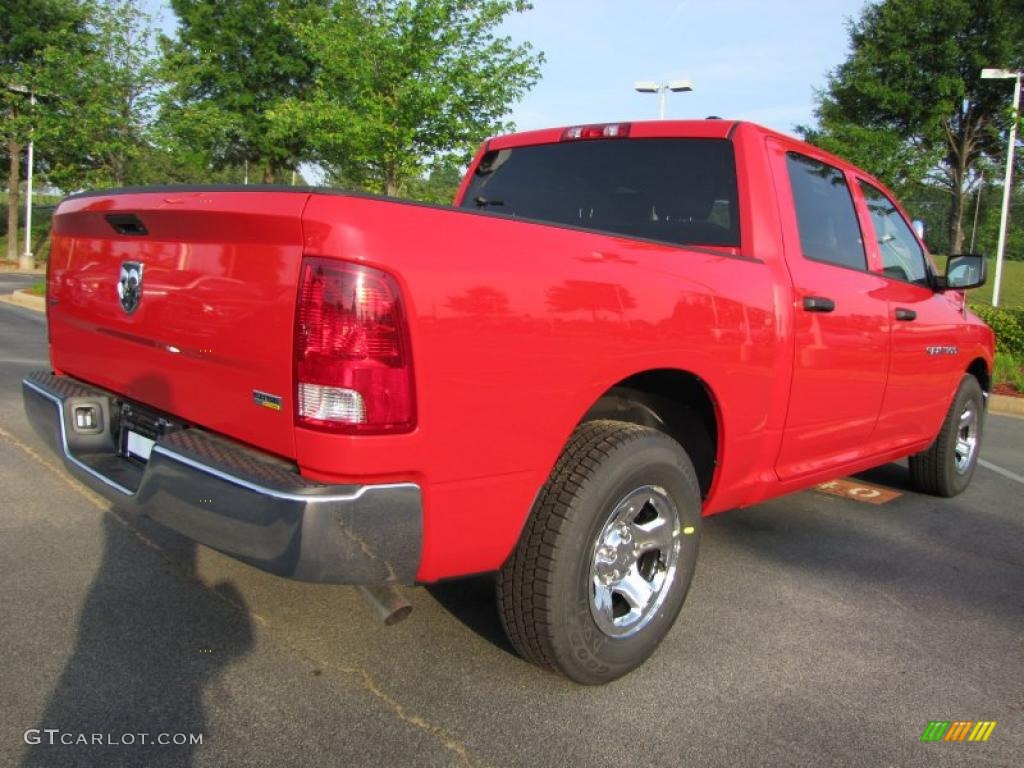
(820, 630)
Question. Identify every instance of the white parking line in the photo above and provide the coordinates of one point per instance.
(25, 361)
(1000, 471)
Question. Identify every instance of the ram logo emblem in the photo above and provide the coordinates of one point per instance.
(129, 286)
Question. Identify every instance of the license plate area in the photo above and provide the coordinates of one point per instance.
(140, 427)
(137, 446)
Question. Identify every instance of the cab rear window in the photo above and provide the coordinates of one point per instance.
(680, 191)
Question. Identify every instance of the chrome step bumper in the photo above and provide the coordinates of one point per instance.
(237, 500)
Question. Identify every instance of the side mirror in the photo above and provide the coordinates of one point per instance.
(918, 226)
(965, 271)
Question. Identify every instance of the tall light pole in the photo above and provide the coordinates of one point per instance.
(676, 86)
(25, 260)
(1005, 74)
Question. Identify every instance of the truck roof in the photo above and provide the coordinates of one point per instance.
(644, 129)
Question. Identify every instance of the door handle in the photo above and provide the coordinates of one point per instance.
(905, 314)
(818, 304)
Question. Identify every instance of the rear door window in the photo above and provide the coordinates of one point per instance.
(680, 191)
(829, 230)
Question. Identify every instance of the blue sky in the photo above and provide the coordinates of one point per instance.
(748, 59)
(751, 60)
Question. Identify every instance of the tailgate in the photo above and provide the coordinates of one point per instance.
(208, 335)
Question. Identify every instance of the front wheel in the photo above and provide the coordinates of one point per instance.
(605, 560)
(946, 468)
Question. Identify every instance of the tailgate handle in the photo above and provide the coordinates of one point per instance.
(126, 224)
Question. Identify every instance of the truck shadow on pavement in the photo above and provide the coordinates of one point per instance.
(895, 476)
(471, 601)
(148, 649)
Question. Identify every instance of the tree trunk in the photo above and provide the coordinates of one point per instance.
(956, 214)
(269, 173)
(957, 161)
(13, 198)
(117, 164)
(961, 139)
(391, 182)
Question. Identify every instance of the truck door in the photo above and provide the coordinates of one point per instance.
(841, 319)
(926, 365)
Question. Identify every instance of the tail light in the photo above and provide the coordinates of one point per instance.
(353, 367)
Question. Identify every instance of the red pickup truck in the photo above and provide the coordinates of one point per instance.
(616, 330)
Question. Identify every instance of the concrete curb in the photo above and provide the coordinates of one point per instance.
(1004, 405)
(9, 268)
(27, 300)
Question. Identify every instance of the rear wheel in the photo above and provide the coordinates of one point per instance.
(607, 556)
(946, 468)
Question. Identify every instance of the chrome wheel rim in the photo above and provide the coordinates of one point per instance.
(966, 438)
(633, 562)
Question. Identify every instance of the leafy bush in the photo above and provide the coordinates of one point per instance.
(1007, 370)
(1008, 325)
(41, 216)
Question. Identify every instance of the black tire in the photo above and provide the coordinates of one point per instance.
(547, 587)
(942, 470)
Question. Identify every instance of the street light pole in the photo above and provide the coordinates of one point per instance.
(27, 261)
(662, 89)
(1003, 74)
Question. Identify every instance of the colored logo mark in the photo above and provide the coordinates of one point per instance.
(958, 730)
(858, 491)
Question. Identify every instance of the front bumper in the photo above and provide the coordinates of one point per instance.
(239, 501)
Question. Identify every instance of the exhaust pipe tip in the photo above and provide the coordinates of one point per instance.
(387, 602)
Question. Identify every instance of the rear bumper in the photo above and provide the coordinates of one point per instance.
(239, 501)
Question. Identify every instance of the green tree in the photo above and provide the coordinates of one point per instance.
(102, 136)
(404, 84)
(31, 36)
(231, 66)
(991, 199)
(908, 103)
(437, 184)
